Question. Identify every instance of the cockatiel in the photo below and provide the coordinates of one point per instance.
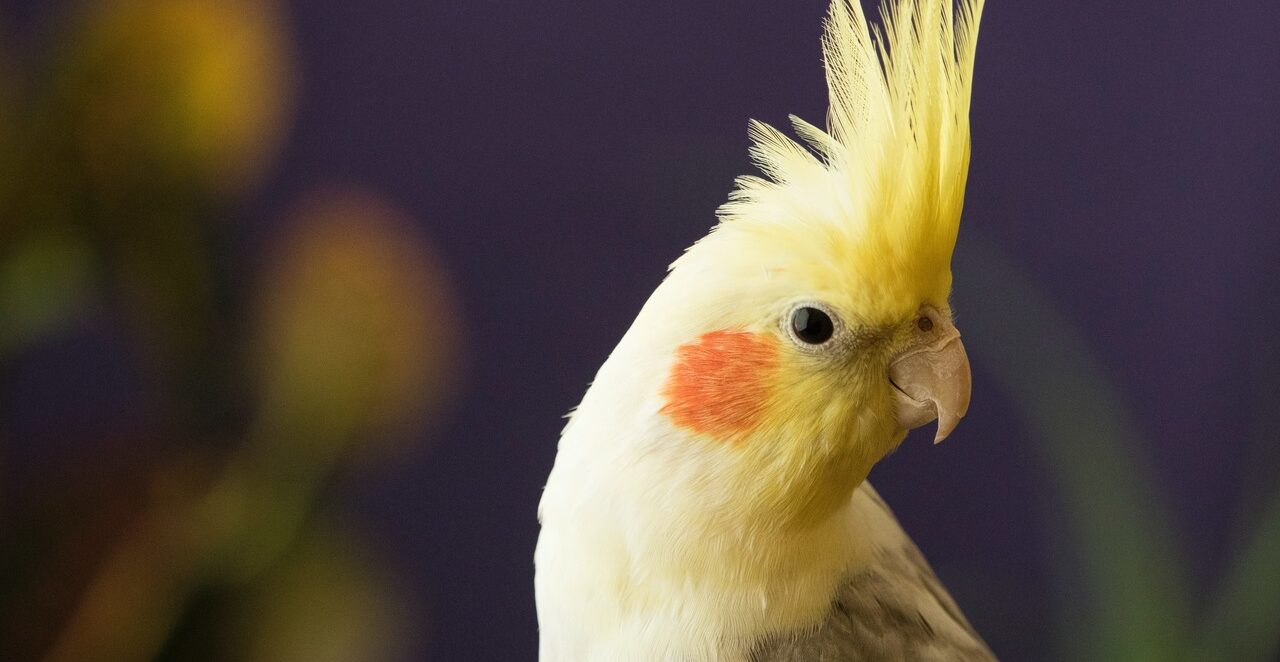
(709, 497)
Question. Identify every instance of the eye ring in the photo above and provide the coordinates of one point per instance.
(812, 326)
(925, 324)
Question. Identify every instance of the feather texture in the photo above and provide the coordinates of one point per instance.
(892, 608)
(887, 175)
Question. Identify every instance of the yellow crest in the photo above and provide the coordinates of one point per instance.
(881, 190)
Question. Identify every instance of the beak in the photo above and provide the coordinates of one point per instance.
(932, 382)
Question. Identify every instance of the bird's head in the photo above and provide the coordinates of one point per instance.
(812, 328)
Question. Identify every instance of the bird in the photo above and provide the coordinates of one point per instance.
(709, 497)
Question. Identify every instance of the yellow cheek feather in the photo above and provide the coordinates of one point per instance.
(721, 383)
(798, 438)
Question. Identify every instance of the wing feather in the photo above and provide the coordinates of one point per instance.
(891, 609)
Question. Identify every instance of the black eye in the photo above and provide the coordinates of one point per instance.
(812, 326)
(924, 324)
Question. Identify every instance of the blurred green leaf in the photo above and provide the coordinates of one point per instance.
(44, 280)
(323, 602)
(1244, 619)
(1138, 604)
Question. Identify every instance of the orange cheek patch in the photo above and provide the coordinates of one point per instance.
(720, 383)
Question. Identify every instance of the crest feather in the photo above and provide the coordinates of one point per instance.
(888, 173)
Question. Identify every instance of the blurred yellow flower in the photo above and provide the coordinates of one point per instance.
(192, 92)
(356, 321)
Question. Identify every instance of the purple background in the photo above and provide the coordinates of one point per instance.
(561, 154)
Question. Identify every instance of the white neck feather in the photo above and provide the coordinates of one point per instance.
(636, 560)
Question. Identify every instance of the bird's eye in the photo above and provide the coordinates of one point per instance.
(924, 323)
(812, 326)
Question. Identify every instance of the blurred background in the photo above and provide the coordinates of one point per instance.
(293, 297)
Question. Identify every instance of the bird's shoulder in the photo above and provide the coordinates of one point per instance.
(891, 608)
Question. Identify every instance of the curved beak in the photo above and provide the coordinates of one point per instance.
(932, 382)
